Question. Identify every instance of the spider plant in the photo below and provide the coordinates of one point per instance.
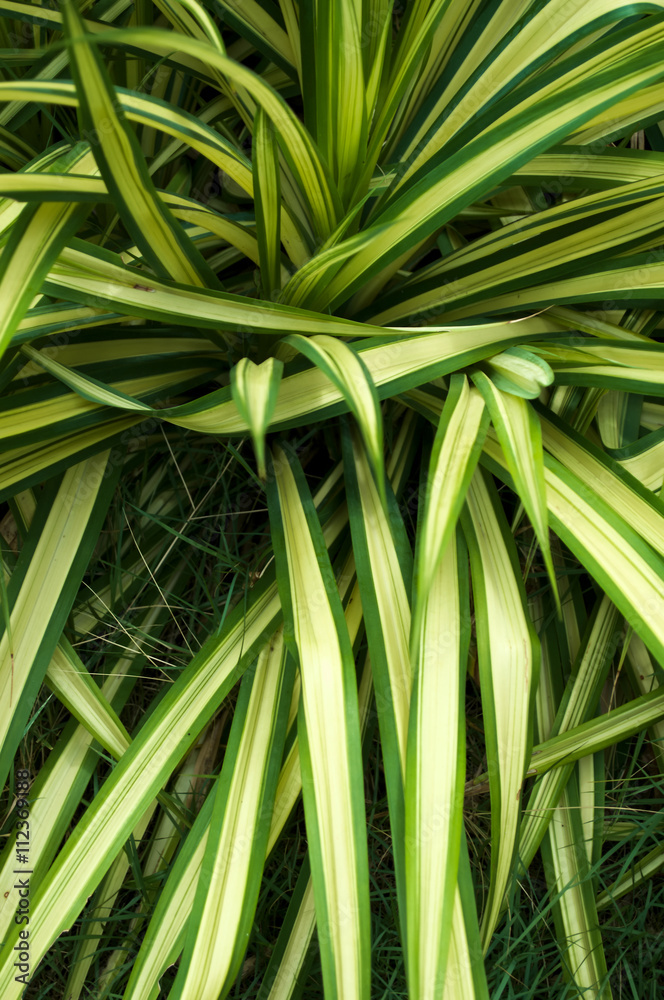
(402, 265)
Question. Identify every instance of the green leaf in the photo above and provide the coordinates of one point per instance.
(520, 435)
(520, 372)
(171, 729)
(299, 149)
(578, 703)
(597, 734)
(232, 865)
(603, 477)
(43, 588)
(456, 450)
(575, 910)
(629, 570)
(70, 681)
(435, 773)
(252, 21)
(508, 654)
(341, 114)
(255, 389)
(267, 188)
(345, 368)
(332, 784)
(122, 165)
(285, 973)
(534, 116)
(35, 240)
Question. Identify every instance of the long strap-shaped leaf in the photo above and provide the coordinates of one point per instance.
(71, 683)
(146, 109)
(435, 771)
(35, 240)
(508, 655)
(300, 151)
(49, 574)
(643, 510)
(566, 96)
(267, 199)
(285, 971)
(341, 116)
(456, 449)
(435, 919)
(83, 272)
(567, 868)
(148, 762)
(520, 435)
(383, 559)
(579, 701)
(108, 891)
(329, 735)
(345, 368)
(232, 866)
(629, 570)
(284, 974)
(163, 940)
(82, 268)
(465, 975)
(480, 272)
(252, 21)
(121, 162)
(393, 366)
(644, 677)
(60, 785)
(630, 880)
(637, 279)
(60, 317)
(597, 734)
(24, 466)
(566, 862)
(506, 54)
(442, 923)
